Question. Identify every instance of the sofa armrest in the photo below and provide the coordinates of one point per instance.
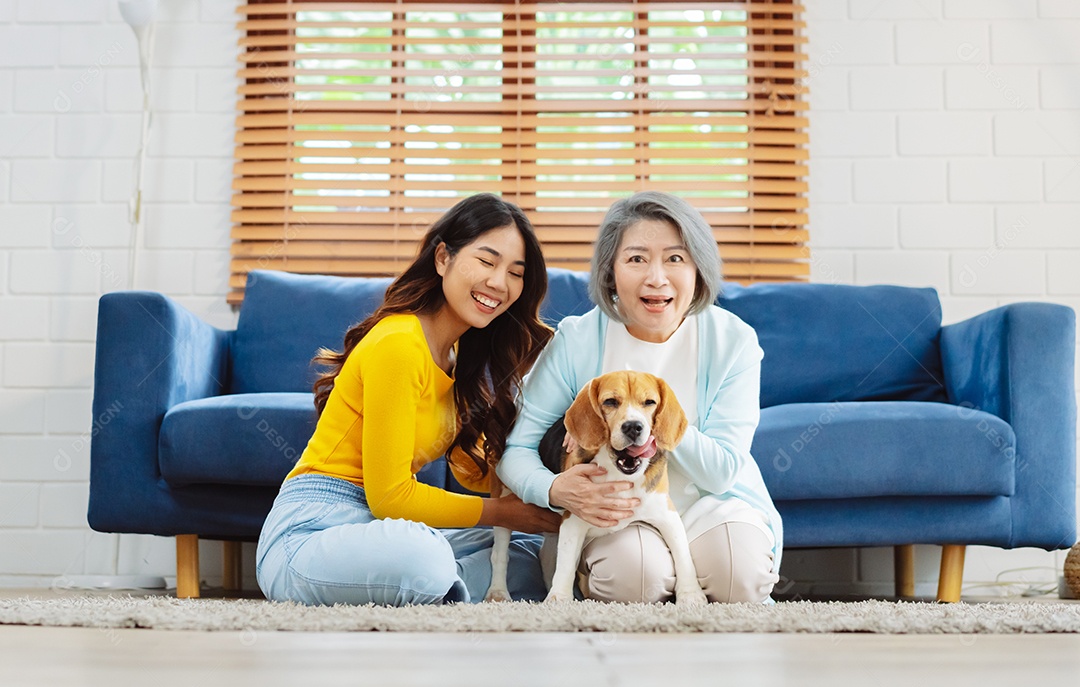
(1017, 362)
(152, 354)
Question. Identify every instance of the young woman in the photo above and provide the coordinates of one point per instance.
(655, 276)
(433, 371)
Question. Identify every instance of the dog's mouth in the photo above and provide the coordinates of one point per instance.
(629, 460)
(627, 465)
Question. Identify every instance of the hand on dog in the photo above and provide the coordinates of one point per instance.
(514, 514)
(569, 443)
(593, 502)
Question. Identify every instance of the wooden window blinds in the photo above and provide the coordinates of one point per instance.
(361, 122)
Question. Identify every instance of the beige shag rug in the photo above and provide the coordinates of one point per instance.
(166, 613)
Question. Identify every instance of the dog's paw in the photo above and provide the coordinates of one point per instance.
(497, 595)
(691, 597)
(555, 596)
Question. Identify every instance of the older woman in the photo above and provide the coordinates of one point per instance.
(655, 276)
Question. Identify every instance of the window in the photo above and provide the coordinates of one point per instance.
(361, 122)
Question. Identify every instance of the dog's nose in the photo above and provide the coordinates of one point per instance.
(632, 429)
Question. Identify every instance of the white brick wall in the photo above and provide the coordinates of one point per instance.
(938, 43)
(906, 268)
(883, 9)
(21, 412)
(68, 365)
(945, 138)
(67, 411)
(1062, 179)
(856, 226)
(989, 9)
(1035, 42)
(995, 180)
(899, 180)
(24, 136)
(36, 457)
(839, 134)
(890, 90)
(52, 90)
(1057, 88)
(54, 181)
(946, 226)
(1058, 8)
(64, 505)
(936, 134)
(1050, 225)
(70, 102)
(47, 11)
(1050, 134)
(24, 319)
(979, 85)
(167, 181)
(29, 46)
(173, 90)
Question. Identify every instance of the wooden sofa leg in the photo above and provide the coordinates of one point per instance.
(187, 566)
(952, 573)
(231, 566)
(904, 570)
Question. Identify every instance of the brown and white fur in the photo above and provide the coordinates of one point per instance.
(625, 422)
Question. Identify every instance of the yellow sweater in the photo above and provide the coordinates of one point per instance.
(391, 412)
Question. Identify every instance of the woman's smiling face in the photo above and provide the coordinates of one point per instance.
(655, 279)
(484, 278)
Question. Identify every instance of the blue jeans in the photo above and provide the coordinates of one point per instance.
(320, 545)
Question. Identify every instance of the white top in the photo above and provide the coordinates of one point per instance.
(668, 360)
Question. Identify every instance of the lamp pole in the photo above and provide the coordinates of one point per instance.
(139, 14)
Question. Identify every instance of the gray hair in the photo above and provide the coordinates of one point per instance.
(695, 232)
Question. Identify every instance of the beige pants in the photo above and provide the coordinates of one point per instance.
(733, 560)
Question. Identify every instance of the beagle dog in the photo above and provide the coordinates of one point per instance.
(626, 422)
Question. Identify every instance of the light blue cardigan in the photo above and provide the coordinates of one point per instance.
(714, 454)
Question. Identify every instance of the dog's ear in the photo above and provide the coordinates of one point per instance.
(585, 421)
(669, 422)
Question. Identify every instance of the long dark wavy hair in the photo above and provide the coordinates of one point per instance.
(490, 361)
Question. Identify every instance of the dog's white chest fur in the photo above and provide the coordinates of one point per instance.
(654, 509)
(654, 504)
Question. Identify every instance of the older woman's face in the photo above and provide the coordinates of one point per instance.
(654, 279)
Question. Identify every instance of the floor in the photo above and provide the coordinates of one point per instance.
(111, 658)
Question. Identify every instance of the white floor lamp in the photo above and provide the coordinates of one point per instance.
(139, 14)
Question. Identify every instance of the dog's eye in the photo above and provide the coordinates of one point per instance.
(611, 403)
(650, 402)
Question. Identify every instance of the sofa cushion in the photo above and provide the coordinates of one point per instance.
(284, 321)
(827, 342)
(853, 450)
(249, 439)
(272, 352)
(567, 294)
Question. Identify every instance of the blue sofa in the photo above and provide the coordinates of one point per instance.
(879, 427)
